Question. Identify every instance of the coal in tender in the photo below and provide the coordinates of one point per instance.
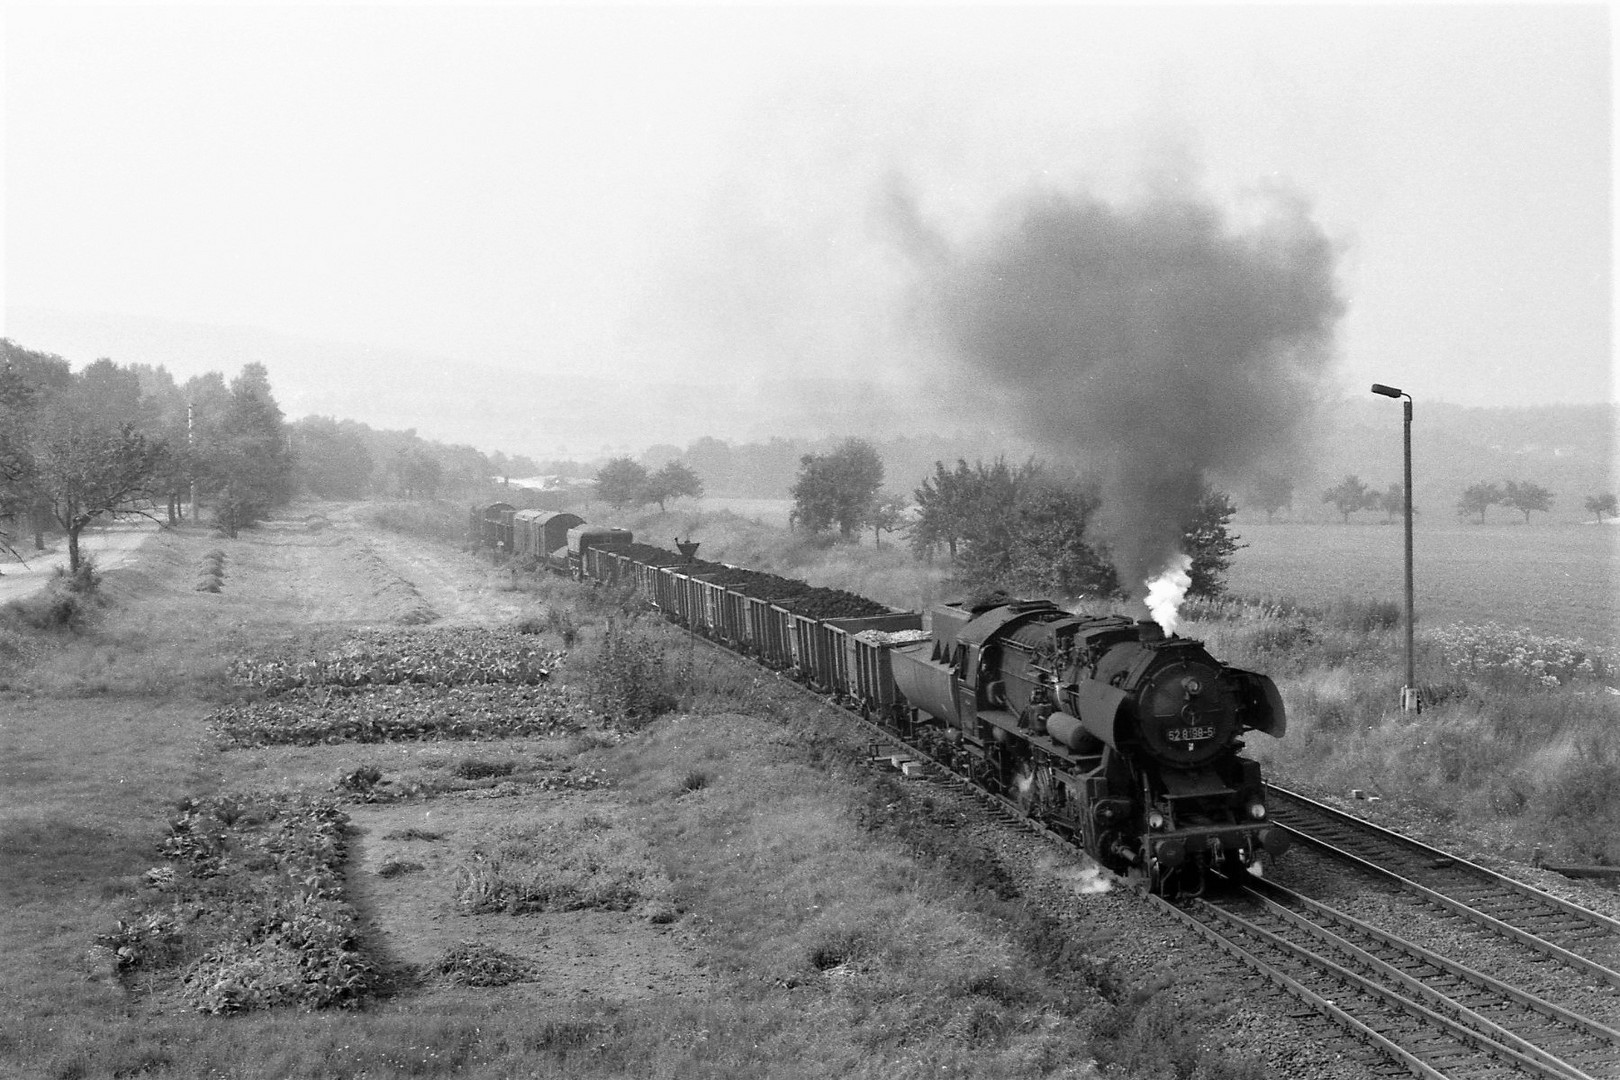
(833, 604)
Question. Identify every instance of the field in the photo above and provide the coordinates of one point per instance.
(1558, 579)
(1550, 577)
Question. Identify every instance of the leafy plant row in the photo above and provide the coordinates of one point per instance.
(396, 714)
(456, 656)
(249, 907)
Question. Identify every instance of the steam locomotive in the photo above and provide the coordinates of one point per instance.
(1104, 729)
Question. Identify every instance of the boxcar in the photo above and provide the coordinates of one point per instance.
(498, 526)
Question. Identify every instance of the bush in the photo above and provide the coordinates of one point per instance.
(472, 963)
(627, 681)
(61, 605)
(479, 769)
(1505, 653)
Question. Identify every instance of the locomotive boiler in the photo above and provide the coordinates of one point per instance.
(1105, 729)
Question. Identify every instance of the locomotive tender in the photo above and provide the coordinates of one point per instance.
(1104, 729)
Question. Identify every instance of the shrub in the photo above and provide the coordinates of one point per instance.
(586, 864)
(472, 963)
(562, 623)
(1519, 656)
(363, 781)
(478, 769)
(393, 868)
(627, 681)
(59, 606)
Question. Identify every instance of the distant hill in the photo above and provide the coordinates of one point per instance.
(543, 410)
(546, 412)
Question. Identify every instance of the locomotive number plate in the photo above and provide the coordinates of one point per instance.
(1189, 734)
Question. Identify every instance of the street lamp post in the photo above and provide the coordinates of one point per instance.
(1409, 692)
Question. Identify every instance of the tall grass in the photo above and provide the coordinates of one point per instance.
(1519, 736)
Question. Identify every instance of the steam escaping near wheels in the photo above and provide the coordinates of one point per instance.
(1087, 880)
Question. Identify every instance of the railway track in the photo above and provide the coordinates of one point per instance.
(1586, 941)
(1432, 1015)
(1417, 1012)
(1424, 1014)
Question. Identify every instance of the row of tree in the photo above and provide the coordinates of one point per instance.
(1021, 529)
(1029, 530)
(1272, 492)
(1350, 495)
(112, 440)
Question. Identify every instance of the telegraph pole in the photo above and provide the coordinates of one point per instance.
(191, 446)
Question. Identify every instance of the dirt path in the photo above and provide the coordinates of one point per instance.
(111, 547)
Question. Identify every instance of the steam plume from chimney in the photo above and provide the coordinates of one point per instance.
(1165, 593)
(1153, 345)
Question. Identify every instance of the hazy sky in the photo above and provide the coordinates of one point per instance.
(684, 189)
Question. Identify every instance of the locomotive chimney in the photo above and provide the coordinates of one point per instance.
(1148, 631)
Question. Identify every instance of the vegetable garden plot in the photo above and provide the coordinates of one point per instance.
(397, 714)
(440, 657)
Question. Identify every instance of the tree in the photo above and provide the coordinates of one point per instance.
(838, 488)
(673, 481)
(993, 503)
(245, 459)
(888, 514)
(1272, 492)
(1603, 504)
(28, 380)
(1393, 501)
(331, 458)
(1210, 542)
(1478, 498)
(939, 512)
(72, 457)
(1350, 495)
(1525, 497)
(1046, 550)
(622, 482)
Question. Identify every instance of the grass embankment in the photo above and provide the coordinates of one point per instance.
(1520, 733)
(1518, 741)
(841, 929)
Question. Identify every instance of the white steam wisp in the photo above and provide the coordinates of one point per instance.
(1167, 590)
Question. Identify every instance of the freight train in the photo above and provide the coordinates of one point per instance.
(1104, 729)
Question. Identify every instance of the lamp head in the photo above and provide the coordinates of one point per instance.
(1387, 391)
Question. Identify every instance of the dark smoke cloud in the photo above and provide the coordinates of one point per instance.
(1156, 345)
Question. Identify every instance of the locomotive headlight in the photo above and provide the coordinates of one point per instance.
(1155, 820)
(1257, 810)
